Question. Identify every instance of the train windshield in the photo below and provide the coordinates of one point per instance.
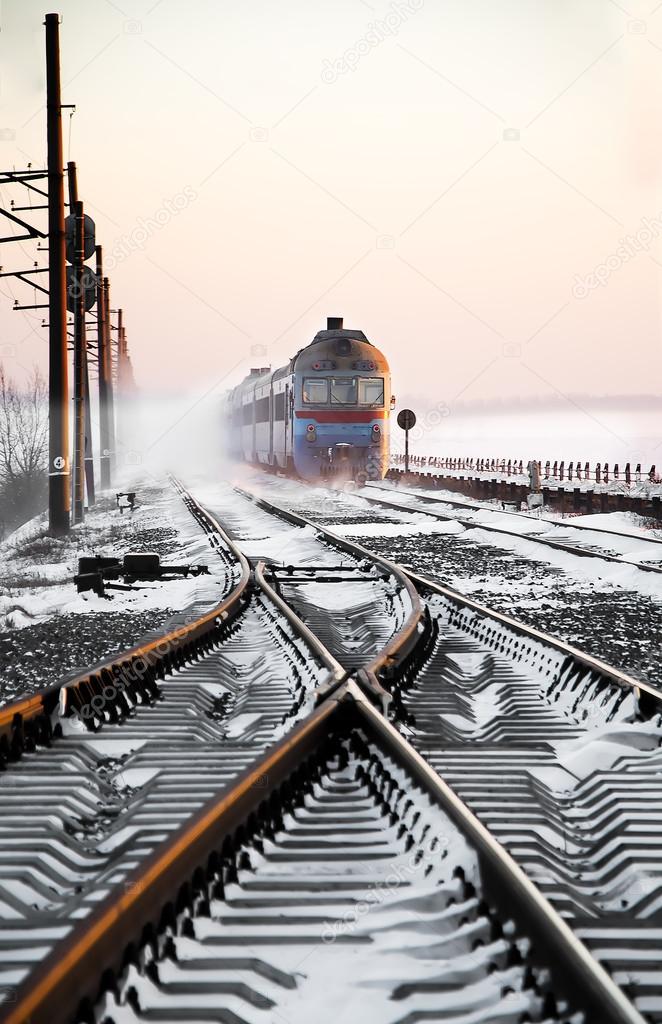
(315, 391)
(371, 391)
(343, 390)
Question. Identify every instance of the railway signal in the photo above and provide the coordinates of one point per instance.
(70, 229)
(406, 420)
(81, 296)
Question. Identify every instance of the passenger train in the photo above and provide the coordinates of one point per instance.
(325, 415)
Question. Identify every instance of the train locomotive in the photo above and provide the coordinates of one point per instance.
(323, 416)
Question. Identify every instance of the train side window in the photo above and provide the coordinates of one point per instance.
(371, 391)
(343, 390)
(315, 390)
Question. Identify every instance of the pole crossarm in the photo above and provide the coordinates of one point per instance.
(24, 178)
(20, 275)
(33, 232)
(20, 177)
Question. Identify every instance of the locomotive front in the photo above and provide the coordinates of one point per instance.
(342, 399)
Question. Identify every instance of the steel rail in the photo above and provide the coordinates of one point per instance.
(468, 524)
(401, 643)
(72, 971)
(95, 952)
(648, 697)
(336, 670)
(457, 503)
(512, 890)
(27, 720)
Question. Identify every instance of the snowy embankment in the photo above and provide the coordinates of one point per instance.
(47, 629)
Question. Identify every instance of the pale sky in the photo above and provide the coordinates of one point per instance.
(447, 187)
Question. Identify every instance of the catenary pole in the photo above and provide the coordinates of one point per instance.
(80, 345)
(104, 432)
(79, 364)
(58, 384)
(110, 402)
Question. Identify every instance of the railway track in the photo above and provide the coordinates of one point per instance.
(338, 876)
(495, 708)
(102, 768)
(573, 538)
(514, 720)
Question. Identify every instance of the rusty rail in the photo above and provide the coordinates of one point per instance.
(401, 647)
(648, 698)
(99, 693)
(531, 538)
(92, 957)
(410, 644)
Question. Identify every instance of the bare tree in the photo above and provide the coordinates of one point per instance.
(23, 448)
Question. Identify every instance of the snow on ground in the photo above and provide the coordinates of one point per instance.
(36, 572)
(602, 748)
(48, 630)
(259, 534)
(380, 523)
(618, 522)
(612, 611)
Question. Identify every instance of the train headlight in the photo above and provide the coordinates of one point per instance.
(311, 433)
(376, 434)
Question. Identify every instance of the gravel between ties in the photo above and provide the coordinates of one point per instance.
(621, 627)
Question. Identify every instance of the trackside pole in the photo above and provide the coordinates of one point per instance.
(104, 432)
(79, 365)
(58, 384)
(110, 401)
(406, 420)
(72, 180)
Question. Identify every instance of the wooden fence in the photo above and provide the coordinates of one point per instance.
(599, 473)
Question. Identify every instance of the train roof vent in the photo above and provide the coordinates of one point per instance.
(334, 323)
(257, 371)
(340, 333)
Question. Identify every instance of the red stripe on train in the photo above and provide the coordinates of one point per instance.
(341, 416)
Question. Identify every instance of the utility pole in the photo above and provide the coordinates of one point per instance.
(120, 350)
(89, 444)
(102, 334)
(58, 385)
(79, 364)
(80, 347)
(110, 403)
